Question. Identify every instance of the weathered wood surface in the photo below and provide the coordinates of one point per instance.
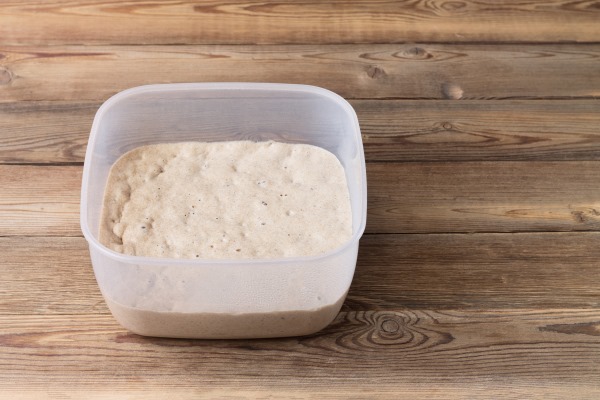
(249, 22)
(478, 277)
(40, 201)
(473, 197)
(45, 132)
(393, 130)
(53, 275)
(409, 71)
(425, 353)
(516, 196)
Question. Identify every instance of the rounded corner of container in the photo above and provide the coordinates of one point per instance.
(117, 97)
(85, 229)
(345, 104)
(330, 93)
(83, 223)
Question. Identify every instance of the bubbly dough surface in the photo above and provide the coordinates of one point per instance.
(226, 200)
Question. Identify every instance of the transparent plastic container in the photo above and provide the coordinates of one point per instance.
(223, 298)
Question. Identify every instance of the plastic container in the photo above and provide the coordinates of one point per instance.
(223, 298)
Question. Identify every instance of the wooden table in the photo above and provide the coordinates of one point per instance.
(478, 276)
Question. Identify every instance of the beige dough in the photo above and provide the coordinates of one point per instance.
(225, 325)
(226, 200)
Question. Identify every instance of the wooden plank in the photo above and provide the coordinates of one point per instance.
(484, 271)
(45, 132)
(44, 275)
(520, 354)
(420, 390)
(473, 197)
(404, 130)
(40, 201)
(47, 275)
(354, 71)
(512, 196)
(393, 130)
(284, 21)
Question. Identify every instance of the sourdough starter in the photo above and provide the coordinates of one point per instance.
(223, 200)
(229, 200)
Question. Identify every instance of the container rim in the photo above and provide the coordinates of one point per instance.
(234, 86)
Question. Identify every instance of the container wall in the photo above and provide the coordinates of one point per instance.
(242, 288)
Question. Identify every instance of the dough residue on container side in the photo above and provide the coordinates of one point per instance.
(226, 200)
(225, 325)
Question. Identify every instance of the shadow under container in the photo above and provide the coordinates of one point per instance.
(203, 298)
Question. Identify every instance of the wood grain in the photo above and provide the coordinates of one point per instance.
(39, 201)
(478, 277)
(506, 130)
(284, 21)
(418, 390)
(403, 198)
(484, 271)
(45, 132)
(353, 71)
(393, 130)
(47, 275)
(483, 197)
(510, 351)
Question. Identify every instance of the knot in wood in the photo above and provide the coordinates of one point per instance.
(6, 76)
(375, 71)
(418, 53)
(453, 5)
(390, 326)
(452, 91)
